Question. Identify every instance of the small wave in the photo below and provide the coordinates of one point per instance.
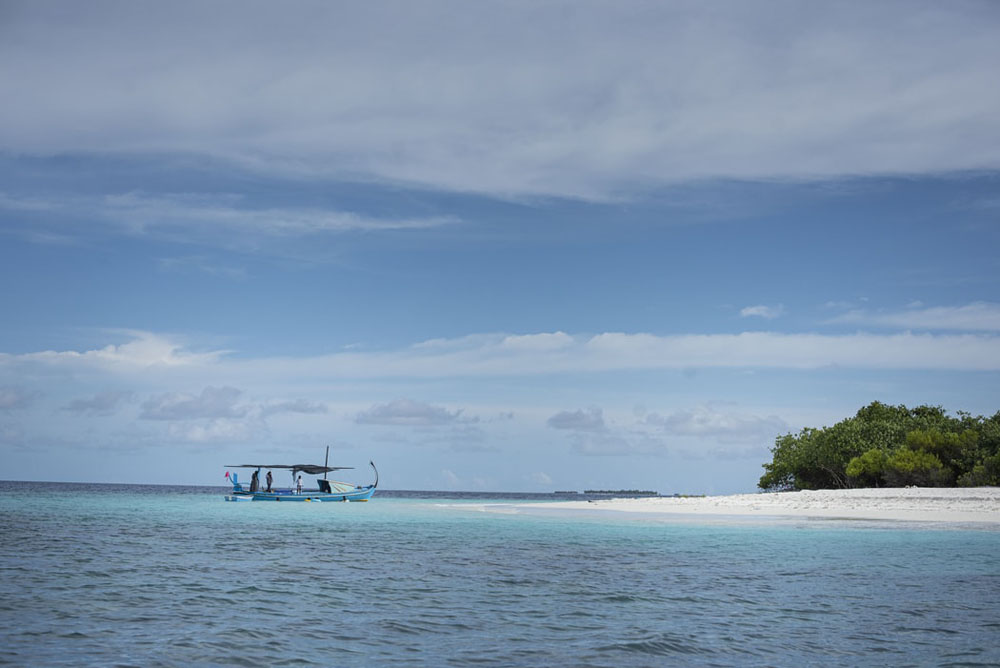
(662, 646)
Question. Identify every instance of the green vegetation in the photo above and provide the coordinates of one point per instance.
(889, 446)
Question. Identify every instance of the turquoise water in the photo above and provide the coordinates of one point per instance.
(115, 575)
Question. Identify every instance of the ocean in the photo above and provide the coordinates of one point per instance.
(122, 575)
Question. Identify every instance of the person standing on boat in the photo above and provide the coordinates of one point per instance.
(255, 481)
(269, 482)
(299, 486)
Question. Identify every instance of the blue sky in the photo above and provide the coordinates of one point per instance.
(507, 246)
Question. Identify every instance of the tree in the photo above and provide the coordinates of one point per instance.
(868, 469)
(779, 473)
(957, 451)
(986, 473)
(892, 445)
(915, 467)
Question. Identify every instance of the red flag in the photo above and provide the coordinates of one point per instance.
(227, 474)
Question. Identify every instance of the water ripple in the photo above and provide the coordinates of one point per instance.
(182, 579)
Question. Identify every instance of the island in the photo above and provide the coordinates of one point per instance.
(622, 492)
(888, 446)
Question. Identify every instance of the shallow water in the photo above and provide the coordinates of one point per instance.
(115, 575)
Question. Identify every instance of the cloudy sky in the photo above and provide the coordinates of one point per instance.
(492, 246)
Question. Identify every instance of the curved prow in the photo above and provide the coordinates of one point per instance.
(372, 464)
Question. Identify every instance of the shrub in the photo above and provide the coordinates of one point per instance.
(868, 469)
(981, 475)
(915, 467)
(888, 445)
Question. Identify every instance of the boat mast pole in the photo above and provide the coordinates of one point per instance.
(326, 462)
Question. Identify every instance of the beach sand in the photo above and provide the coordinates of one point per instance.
(926, 504)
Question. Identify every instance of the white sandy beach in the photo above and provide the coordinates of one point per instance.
(970, 504)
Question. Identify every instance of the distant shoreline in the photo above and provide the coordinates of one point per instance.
(622, 492)
(924, 504)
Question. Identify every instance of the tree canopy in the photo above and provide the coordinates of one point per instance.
(889, 446)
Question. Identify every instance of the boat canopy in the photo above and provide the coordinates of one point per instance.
(309, 469)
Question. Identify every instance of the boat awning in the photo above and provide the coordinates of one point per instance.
(310, 469)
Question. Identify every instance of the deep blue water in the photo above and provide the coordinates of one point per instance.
(102, 575)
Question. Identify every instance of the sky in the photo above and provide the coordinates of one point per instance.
(525, 246)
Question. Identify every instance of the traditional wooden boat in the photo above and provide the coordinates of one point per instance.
(325, 490)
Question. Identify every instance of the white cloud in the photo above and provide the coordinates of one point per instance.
(142, 351)
(793, 351)
(977, 316)
(301, 406)
(721, 426)
(486, 355)
(610, 444)
(617, 351)
(537, 342)
(762, 311)
(214, 431)
(690, 433)
(513, 98)
(225, 211)
(218, 415)
(12, 398)
(590, 420)
(405, 412)
(218, 218)
(100, 404)
(213, 402)
(590, 435)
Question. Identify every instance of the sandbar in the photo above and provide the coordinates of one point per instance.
(918, 504)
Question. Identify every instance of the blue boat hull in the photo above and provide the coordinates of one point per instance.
(314, 496)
